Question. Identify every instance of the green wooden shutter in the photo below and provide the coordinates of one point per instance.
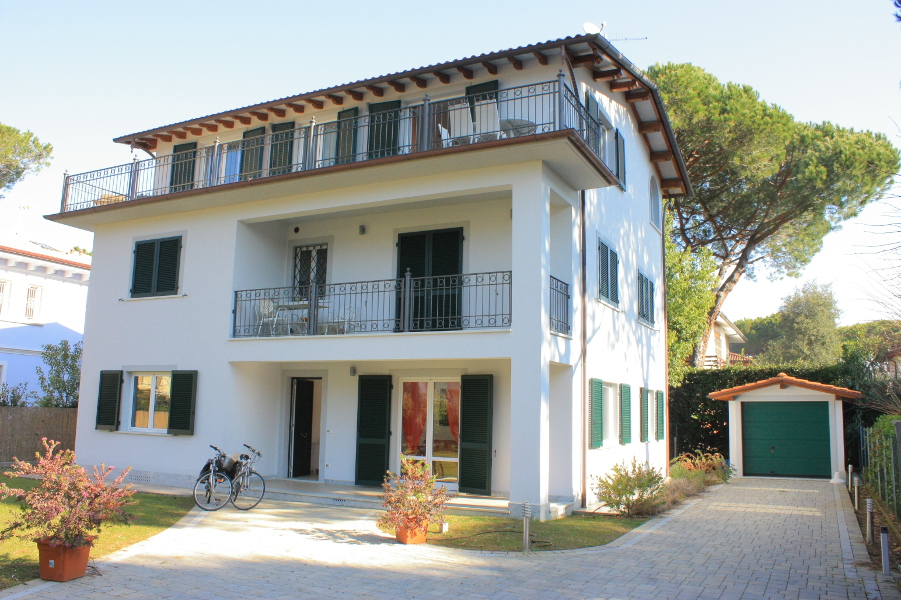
(411, 254)
(346, 137)
(108, 400)
(142, 278)
(446, 252)
(252, 153)
(620, 158)
(660, 415)
(604, 269)
(167, 267)
(650, 298)
(596, 412)
(181, 172)
(625, 414)
(476, 409)
(614, 277)
(384, 122)
(645, 397)
(281, 149)
(373, 428)
(182, 402)
(594, 109)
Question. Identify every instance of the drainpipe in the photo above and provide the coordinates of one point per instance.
(584, 340)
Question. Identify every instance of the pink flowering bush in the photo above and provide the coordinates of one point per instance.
(69, 506)
(411, 498)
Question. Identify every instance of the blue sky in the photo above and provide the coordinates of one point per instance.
(80, 73)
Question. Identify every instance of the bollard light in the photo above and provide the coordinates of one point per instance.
(886, 561)
(856, 493)
(526, 521)
(850, 475)
(870, 532)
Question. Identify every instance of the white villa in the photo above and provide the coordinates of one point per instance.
(461, 262)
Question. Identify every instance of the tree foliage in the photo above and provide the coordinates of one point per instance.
(17, 395)
(807, 327)
(20, 153)
(759, 332)
(767, 188)
(690, 280)
(60, 383)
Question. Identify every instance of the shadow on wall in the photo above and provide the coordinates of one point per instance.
(20, 368)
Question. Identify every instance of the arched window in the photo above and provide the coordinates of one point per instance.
(655, 204)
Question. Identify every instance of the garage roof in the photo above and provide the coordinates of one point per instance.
(783, 381)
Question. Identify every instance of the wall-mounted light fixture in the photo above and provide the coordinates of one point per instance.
(362, 230)
(353, 371)
(297, 230)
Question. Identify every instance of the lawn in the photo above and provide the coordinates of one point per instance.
(153, 514)
(505, 535)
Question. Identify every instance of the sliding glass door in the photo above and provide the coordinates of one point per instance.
(430, 426)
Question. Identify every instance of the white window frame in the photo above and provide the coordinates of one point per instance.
(133, 393)
(33, 302)
(611, 415)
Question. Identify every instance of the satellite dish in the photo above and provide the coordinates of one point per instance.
(591, 28)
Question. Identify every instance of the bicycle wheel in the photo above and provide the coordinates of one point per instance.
(212, 492)
(248, 490)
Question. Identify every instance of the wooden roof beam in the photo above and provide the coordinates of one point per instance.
(398, 86)
(585, 60)
(262, 116)
(242, 119)
(517, 64)
(336, 100)
(608, 75)
(490, 67)
(278, 112)
(638, 95)
(163, 136)
(419, 81)
(669, 184)
(179, 134)
(376, 90)
(661, 156)
(622, 86)
(650, 127)
(210, 127)
(317, 104)
(358, 96)
(226, 123)
(466, 73)
(194, 130)
(542, 59)
(442, 77)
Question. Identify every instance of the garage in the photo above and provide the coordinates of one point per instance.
(787, 427)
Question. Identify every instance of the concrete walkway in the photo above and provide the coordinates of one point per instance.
(751, 539)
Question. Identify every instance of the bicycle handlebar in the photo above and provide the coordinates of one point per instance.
(254, 450)
(219, 450)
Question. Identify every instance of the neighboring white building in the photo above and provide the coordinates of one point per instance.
(43, 293)
(723, 334)
(392, 265)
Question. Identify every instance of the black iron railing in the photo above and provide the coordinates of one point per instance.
(560, 307)
(463, 121)
(405, 304)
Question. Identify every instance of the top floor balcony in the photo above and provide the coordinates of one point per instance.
(389, 130)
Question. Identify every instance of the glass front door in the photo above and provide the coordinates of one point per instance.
(431, 426)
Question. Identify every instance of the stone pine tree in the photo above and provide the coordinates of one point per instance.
(767, 188)
(20, 153)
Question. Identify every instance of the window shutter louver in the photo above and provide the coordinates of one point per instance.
(143, 275)
(476, 411)
(596, 409)
(447, 253)
(373, 428)
(625, 414)
(614, 277)
(167, 267)
(384, 121)
(604, 270)
(182, 402)
(181, 175)
(281, 150)
(660, 415)
(620, 158)
(645, 397)
(108, 400)
(650, 296)
(346, 140)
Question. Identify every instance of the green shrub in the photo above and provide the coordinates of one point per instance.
(635, 489)
(713, 465)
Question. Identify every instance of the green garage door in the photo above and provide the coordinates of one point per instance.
(788, 439)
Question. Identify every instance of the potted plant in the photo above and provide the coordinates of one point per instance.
(413, 501)
(64, 513)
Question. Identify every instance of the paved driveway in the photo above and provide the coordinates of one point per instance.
(754, 538)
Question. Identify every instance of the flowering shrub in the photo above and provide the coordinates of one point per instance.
(713, 464)
(634, 489)
(411, 498)
(69, 505)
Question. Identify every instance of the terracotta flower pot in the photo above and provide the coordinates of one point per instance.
(412, 536)
(59, 563)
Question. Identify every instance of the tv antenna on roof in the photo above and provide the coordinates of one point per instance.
(627, 39)
(592, 29)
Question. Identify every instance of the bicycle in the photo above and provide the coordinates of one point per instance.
(213, 488)
(248, 486)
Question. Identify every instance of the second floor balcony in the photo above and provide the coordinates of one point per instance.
(389, 130)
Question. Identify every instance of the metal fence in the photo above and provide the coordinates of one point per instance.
(443, 303)
(559, 308)
(455, 122)
(879, 466)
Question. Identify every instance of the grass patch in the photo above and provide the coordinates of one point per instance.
(153, 514)
(484, 533)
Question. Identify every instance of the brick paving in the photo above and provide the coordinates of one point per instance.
(752, 539)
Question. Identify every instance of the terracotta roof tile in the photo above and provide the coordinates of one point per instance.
(784, 380)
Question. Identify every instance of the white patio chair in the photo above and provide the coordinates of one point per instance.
(446, 141)
(346, 316)
(460, 124)
(272, 315)
(488, 121)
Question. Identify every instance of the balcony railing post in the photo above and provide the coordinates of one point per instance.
(408, 301)
(424, 141)
(314, 308)
(64, 201)
(561, 83)
(214, 164)
(133, 179)
(310, 158)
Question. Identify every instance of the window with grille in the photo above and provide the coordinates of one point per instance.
(310, 264)
(608, 273)
(4, 296)
(645, 299)
(33, 302)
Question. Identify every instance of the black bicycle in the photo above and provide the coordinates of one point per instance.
(227, 478)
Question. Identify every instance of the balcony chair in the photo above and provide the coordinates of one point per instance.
(488, 121)
(271, 315)
(460, 124)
